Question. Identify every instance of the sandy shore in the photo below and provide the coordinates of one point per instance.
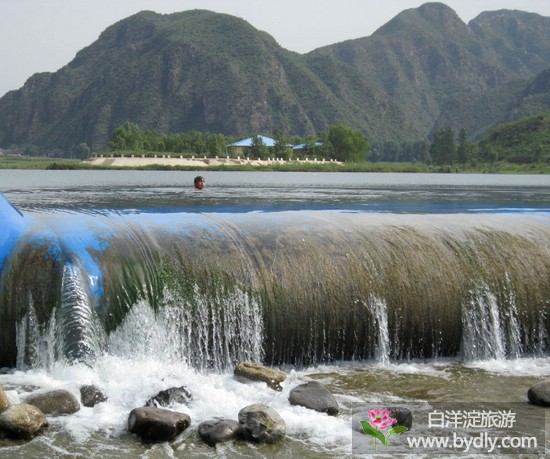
(136, 161)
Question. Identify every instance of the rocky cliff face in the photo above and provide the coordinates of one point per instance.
(213, 72)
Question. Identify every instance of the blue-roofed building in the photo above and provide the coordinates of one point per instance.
(239, 147)
(267, 141)
(307, 147)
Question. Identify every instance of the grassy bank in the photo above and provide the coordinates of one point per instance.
(24, 162)
(39, 162)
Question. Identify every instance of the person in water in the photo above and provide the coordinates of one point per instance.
(199, 182)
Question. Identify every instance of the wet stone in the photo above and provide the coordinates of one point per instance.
(22, 421)
(55, 402)
(156, 425)
(315, 396)
(91, 395)
(262, 424)
(256, 372)
(539, 394)
(219, 431)
(169, 396)
(4, 402)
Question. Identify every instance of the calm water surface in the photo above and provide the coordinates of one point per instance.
(265, 191)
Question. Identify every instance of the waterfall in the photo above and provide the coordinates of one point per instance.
(379, 310)
(483, 336)
(203, 335)
(81, 334)
(37, 346)
(283, 288)
(491, 328)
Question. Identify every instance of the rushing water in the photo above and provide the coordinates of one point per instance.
(501, 350)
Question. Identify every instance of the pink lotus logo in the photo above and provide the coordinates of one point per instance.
(381, 420)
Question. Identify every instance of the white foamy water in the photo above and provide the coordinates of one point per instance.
(534, 366)
(129, 383)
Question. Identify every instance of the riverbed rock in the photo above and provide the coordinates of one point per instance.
(55, 402)
(315, 396)
(169, 396)
(403, 416)
(256, 372)
(539, 394)
(4, 402)
(217, 431)
(262, 424)
(22, 421)
(91, 395)
(156, 425)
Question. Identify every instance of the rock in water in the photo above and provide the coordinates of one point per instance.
(256, 372)
(262, 423)
(169, 396)
(54, 402)
(4, 402)
(315, 396)
(22, 421)
(219, 430)
(539, 394)
(91, 395)
(155, 425)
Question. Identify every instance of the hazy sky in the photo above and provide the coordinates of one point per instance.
(44, 35)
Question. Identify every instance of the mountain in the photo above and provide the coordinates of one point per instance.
(214, 72)
(522, 141)
(480, 111)
(426, 57)
(193, 70)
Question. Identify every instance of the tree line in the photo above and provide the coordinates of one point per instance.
(339, 142)
(447, 147)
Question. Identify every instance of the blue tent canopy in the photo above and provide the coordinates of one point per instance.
(267, 141)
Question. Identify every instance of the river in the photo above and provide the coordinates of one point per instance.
(405, 239)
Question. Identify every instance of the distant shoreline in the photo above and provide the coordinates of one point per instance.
(144, 161)
(167, 162)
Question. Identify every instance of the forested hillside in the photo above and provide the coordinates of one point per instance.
(198, 70)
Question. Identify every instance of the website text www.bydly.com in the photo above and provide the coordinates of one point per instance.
(480, 443)
(452, 428)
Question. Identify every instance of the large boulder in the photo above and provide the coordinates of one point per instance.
(4, 402)
(315, 396)
(256, 372)
(262, 424)
(22, 421)
(219, 430)
(539, 394)
(169, 396)
(55, 402)
(91, 395)
(155, 425)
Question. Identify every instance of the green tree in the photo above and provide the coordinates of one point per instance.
(463, 149)
(347, 144)
(215, 144)
(258, 149)
(443, 148)
(489, 153)
(82, 151)
(152, 141)
(127, 137)
(425, 154)
(280, 149)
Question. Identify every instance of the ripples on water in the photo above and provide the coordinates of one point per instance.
(265, 191)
